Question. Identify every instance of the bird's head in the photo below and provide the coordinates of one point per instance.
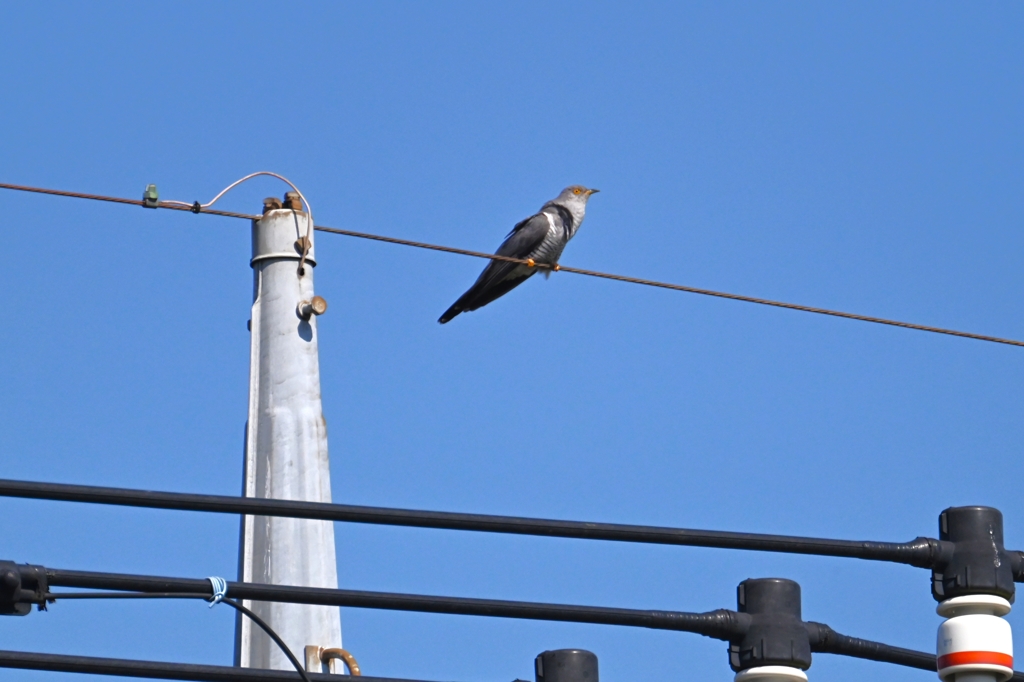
(576, 194)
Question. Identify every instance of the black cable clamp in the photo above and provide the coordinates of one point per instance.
(197, 207)
(20, 587)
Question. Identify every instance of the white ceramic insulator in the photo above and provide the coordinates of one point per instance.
(975, 644)
(772, 673)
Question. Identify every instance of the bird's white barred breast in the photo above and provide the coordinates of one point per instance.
(550, 250)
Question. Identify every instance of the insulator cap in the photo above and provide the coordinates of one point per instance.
(566, 665)
(776, 635)
(977, 563)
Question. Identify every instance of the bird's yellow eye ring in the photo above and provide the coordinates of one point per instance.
(576, 191)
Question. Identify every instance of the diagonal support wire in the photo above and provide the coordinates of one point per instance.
(181, 206)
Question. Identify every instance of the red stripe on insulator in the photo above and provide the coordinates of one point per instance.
(974, 658)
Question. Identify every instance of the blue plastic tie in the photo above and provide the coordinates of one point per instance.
(220, 590)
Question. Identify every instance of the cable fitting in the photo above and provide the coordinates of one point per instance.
(925, 552)
(220, 590)
(776, 634)
(196, 207)
(151, 197)
(972, 559)
(20, 587)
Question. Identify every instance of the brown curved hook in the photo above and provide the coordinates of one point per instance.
(353, 667)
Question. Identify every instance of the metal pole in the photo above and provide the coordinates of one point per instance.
(286, 442)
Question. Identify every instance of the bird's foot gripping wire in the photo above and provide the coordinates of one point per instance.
(530, 263)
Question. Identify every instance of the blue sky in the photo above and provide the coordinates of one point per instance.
(860, 156)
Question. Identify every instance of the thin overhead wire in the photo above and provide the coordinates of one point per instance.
(182, 206)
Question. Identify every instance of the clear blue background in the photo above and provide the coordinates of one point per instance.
(861, 156)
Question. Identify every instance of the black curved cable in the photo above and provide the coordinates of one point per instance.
(53, 597)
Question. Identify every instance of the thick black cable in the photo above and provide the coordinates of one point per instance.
(53, 598)
(825, 640)
(121, 667)
(722, 624)
(718, 624)
(921, 552)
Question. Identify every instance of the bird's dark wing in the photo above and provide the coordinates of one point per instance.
(521, 242)
(500, 277)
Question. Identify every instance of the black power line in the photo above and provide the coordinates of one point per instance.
(197, 208)
(216, 673)
(825, 640)
(164, 671)
(921, 552)
(722, 624)
(712, 624)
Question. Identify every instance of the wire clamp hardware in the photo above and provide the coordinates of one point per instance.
(197, 207)
(151, 197)
(220, 590)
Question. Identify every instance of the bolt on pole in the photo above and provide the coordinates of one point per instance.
(286, 442)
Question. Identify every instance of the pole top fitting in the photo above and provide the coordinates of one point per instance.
(293, 201)
(566, 665)
(976, 562)
(271, 204)
(776, 635)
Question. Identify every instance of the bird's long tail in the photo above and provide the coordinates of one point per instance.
(464, 303)
(451, 313)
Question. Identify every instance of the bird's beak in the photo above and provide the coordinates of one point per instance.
(593, 191)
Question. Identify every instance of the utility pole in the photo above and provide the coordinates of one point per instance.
(286, 441)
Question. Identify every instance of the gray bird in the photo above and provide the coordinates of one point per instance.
(540, 238)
